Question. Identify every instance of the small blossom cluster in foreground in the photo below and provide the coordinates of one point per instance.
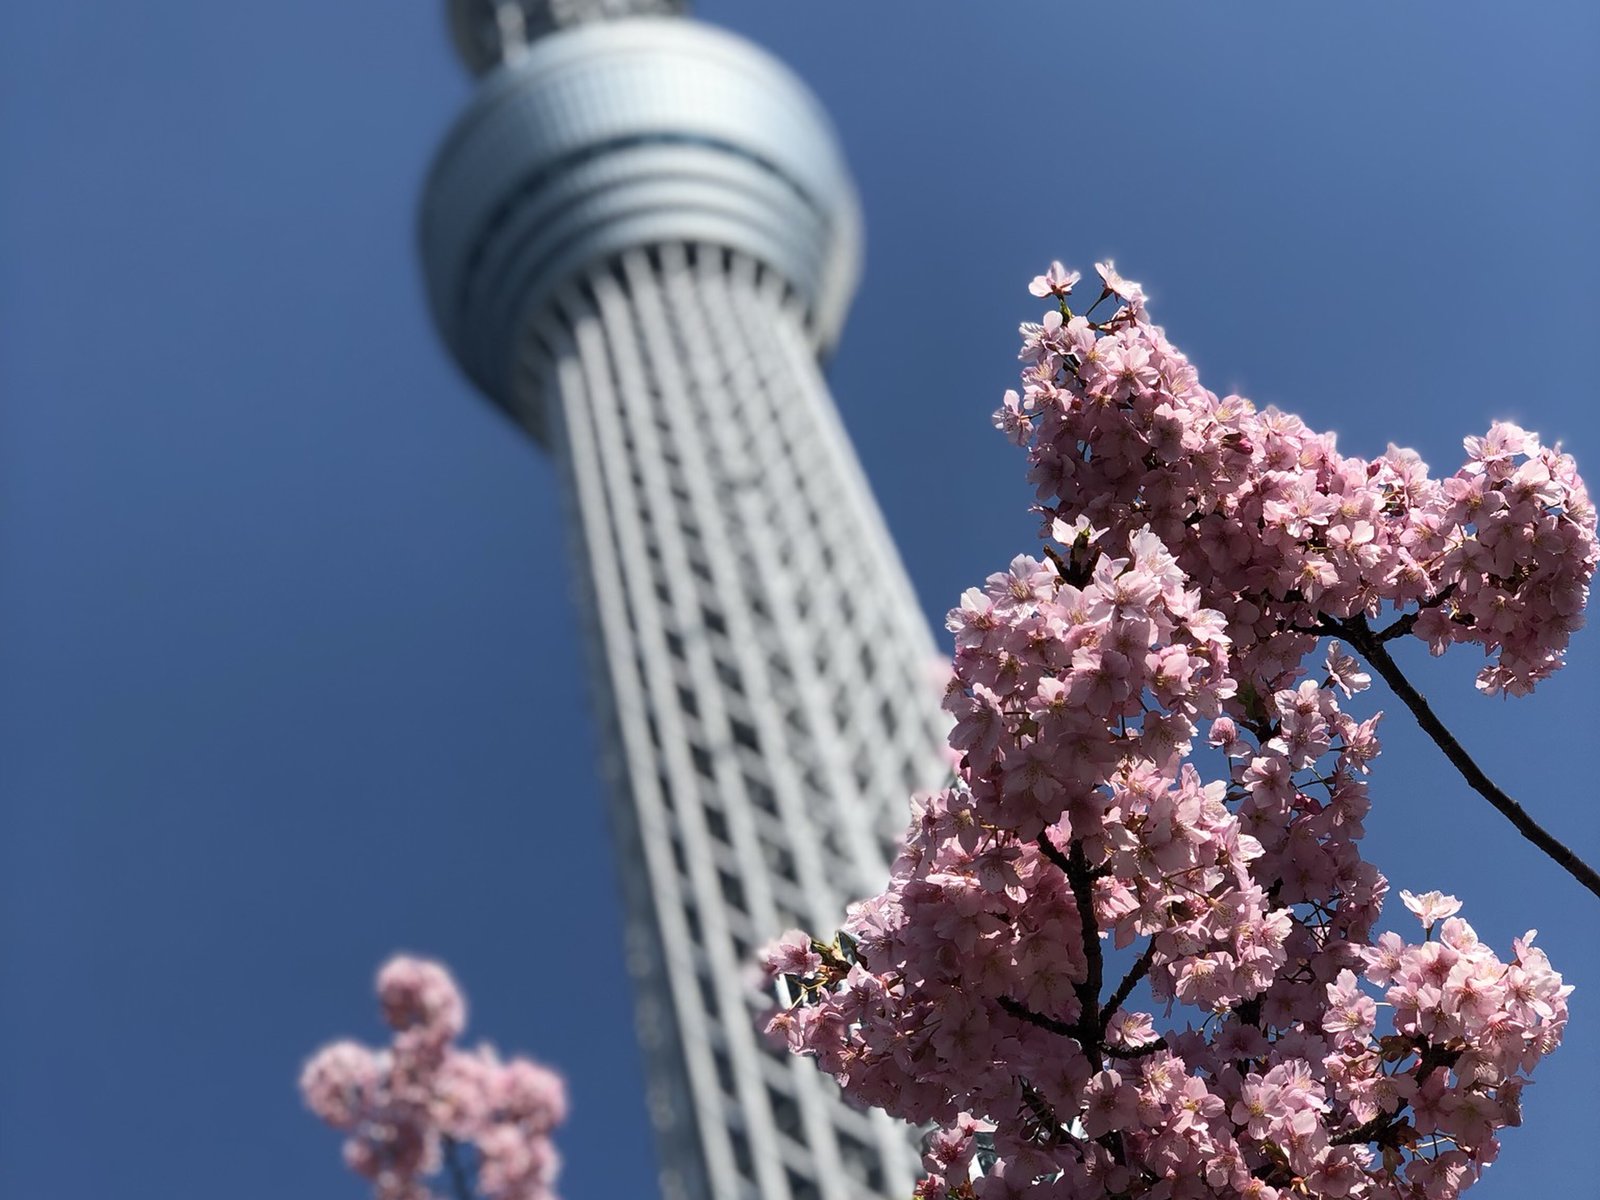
(409, 1107)
(1099, 974)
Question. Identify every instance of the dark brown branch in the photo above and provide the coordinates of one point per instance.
(1023, 1013)
(1089, 1029)
(1140, 1051)
(1055, 556)
(1094, 977)
(1371, 648)
(1405, 624)
(1078, 574)
(1373, 1129)
(1125, 989)
(1429, 1059)
(1249, 1011)
(1048, 849)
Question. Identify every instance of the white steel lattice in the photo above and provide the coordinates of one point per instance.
(636, 241)
(768, 703)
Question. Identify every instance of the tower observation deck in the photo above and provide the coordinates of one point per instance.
(638, 239)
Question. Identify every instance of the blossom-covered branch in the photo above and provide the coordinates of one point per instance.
(1291, 540)
(1197, 549)
(422, 1105)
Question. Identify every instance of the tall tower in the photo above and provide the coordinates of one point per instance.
(638, 239)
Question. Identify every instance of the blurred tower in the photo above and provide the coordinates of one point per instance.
(638, 239)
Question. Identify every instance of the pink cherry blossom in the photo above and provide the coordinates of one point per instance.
(408, 1109)
(1057, 281)
(1096, 972)
(1431, 907)
(792, 954)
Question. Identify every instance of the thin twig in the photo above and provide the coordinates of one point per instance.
(1403, 625)
(1372, 649)
(1124, 989)
(1430, 1059)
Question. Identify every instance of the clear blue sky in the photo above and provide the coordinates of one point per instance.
(287, 665)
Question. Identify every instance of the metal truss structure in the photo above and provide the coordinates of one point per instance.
(638, 239)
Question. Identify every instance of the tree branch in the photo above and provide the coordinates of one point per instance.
(1373, 1130)
(1124, 989)
(1022, 1012)
(1371, 647)
(1089, 1029)
(1048, 849)
(1430, 1059)
(1405, 624)
(1131, 1052)
(1094, 977)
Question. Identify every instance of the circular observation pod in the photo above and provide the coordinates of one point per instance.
(630, 134)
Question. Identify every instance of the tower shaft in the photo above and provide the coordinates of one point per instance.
(637, 240)
(765, 700)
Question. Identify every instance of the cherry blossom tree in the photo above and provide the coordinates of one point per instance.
(422, 1105)
(1131, 949)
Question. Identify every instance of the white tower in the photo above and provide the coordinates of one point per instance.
(638, 239)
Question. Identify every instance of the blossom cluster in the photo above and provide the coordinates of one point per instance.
(1080, 875)
(422, 1103)
(1279, 531)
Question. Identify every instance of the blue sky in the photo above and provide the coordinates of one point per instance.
(287, 673)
